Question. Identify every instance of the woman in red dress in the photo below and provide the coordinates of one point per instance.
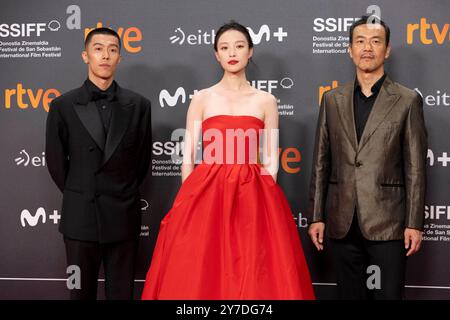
(230, 233)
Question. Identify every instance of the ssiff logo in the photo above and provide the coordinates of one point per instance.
(16, 30)
(30, 29)
(437, 212)
(333, 24)
(340, 24)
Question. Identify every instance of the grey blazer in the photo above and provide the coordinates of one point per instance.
(383, 177)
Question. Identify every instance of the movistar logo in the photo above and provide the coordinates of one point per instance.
(32, 220)
(171, 100)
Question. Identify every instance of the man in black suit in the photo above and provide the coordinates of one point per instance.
(98, 149)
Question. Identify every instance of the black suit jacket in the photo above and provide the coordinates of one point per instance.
(99, 175)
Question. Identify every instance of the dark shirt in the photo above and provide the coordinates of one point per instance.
(103, 100)
(363, 105)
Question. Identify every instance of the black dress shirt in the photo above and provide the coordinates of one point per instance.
(103, 100)
(363, 105)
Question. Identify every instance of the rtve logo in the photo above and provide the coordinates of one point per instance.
(438, 34)
(207, 37)
(32, 220)
(131, 37)
(323, 89)
(24, 98)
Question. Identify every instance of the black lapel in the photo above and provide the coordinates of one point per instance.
(386, 99)
(89, 116)
(121, 114)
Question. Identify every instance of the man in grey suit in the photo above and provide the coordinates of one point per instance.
(369, 172)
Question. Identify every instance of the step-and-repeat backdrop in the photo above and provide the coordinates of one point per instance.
(300, 52)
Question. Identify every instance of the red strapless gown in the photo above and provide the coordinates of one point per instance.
(230, 234)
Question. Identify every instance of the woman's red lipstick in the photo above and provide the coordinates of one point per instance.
(233, 62)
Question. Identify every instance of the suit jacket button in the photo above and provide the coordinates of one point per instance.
(358, 164)
(97, 195)
(91, 149)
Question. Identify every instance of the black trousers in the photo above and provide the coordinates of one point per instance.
(368, 269)
(118, 262)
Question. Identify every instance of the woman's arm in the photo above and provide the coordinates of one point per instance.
(271, 137)
(193, 131)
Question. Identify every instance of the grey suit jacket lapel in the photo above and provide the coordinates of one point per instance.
(386, 99)
(346, 113)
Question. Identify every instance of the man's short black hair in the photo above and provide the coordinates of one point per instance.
(373, 20)
(103, 30)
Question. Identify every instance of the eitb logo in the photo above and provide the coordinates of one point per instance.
(206, 37)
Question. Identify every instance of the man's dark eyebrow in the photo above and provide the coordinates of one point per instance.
(101, 44)
(362, 36)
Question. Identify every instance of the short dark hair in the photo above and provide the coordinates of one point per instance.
(102, 30)
(370, 19)
(233, 25)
